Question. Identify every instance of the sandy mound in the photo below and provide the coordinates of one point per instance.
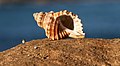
(66, 52)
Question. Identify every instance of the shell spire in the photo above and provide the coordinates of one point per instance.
(60, 25)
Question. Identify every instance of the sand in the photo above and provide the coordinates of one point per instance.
(65, 52)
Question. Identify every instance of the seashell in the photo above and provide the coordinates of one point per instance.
(58, 25)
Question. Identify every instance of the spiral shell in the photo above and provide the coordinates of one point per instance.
(60, 25)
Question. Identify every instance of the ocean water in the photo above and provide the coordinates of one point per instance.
(101, 20)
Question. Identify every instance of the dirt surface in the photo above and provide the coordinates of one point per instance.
(65, 52)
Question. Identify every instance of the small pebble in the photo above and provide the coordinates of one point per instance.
(28, 55)
(35, 47)
(23, 41)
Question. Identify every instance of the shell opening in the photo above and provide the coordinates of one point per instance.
(66, 21)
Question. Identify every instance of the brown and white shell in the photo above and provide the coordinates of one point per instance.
(60, 25)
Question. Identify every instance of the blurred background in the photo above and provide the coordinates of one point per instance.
(100, 18)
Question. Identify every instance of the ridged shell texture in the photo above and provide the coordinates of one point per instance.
(58, 25)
